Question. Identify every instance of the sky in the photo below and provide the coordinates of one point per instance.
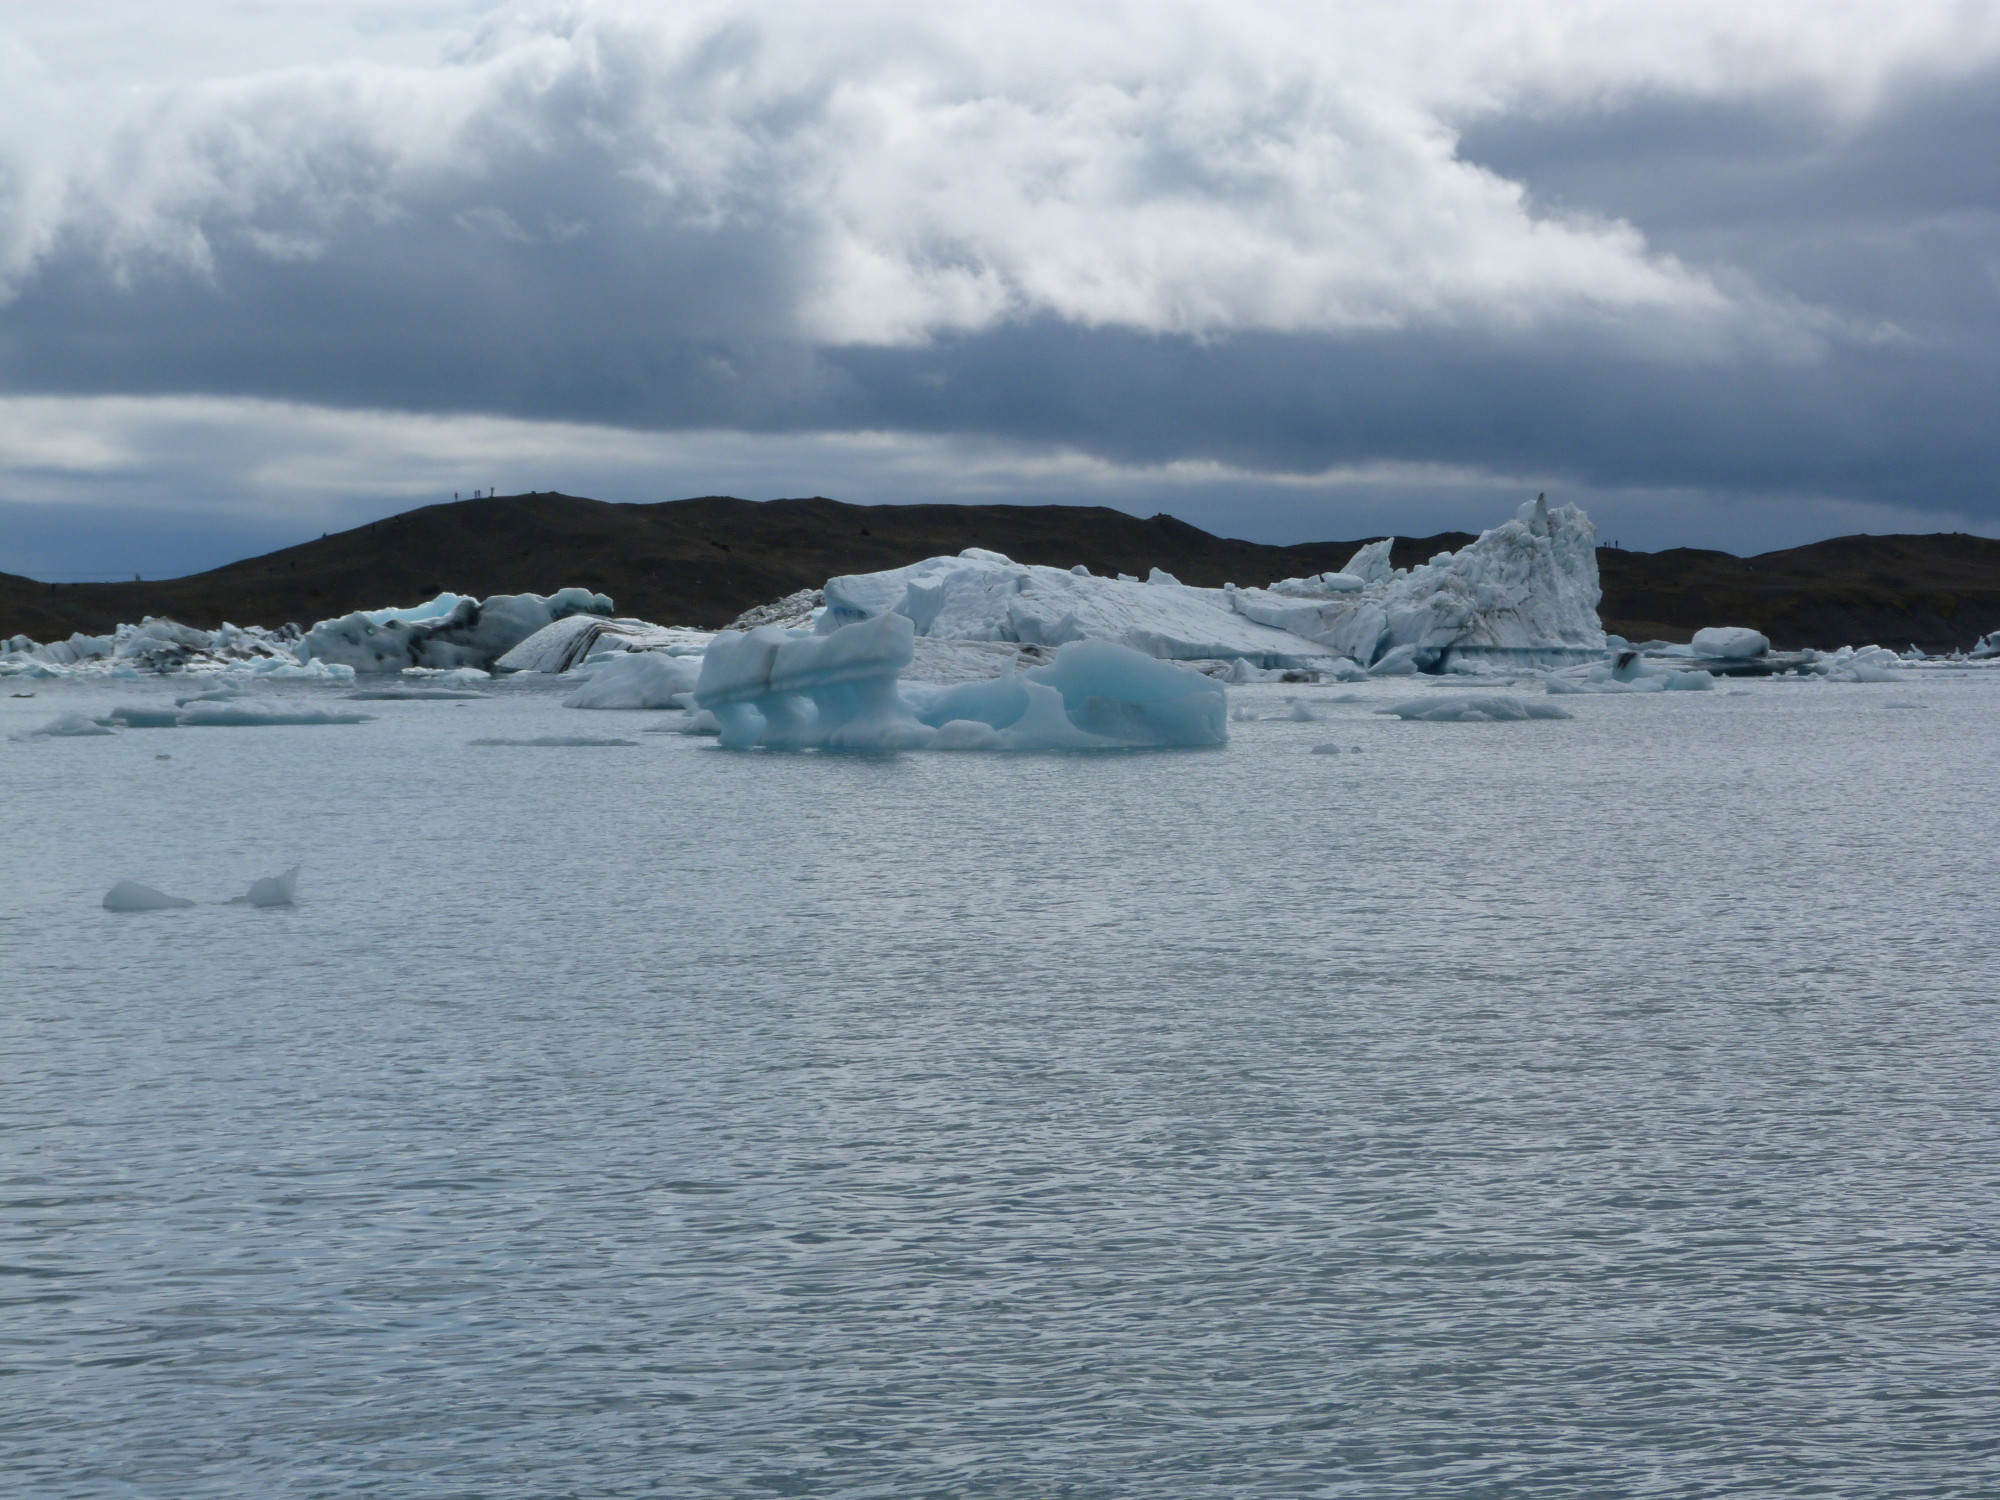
(1727, 275)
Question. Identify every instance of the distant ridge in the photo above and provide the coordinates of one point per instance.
(704, 561)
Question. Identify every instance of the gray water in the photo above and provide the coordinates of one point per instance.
(1603, 1107)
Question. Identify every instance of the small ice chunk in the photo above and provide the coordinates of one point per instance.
(1301, 713)
(129, 895)
(213, 695)
(65, 727)
(1328, 749)
(1730, 642)
(272, 890)
(1489, 709)
(135, 716)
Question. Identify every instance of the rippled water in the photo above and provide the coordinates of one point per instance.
(1592, 1108)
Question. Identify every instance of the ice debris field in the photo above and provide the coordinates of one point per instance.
(968, 653)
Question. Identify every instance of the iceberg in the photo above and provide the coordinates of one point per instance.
(451, 630)
(637, 679)
(272, 890)
(840, 691)
(1730, 642)
(1526, 590)
(155, 645)
(1861, 664)
(1495, 709)
(569, 642)
(129, 895)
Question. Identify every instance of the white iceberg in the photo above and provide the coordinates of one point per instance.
(638, 679)
(1730, 642)
(1860, 664)
(1526, 590)
(129, 895)
(451, 630)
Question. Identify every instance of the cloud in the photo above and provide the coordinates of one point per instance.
(1696, 249)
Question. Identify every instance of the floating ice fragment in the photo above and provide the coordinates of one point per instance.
(233, 716)
(64, 727)
(272, 890)
(1730, 642)
(129, 895)
(1492, 709)
(134, 716)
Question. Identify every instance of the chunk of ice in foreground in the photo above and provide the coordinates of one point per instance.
(1496, 708)
(272, 890)
(138, 716)
(129, 895)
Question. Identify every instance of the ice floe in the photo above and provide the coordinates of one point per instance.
(240, 715)
(1488, 708)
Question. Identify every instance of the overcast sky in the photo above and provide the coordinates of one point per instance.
(1726, 273)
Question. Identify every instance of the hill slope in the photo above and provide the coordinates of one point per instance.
(702, 562)
(692, 562)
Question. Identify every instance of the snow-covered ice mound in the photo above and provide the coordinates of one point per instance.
(1730, 642)
(1528, 586)
(1861, 664)
(448, 631)
(1492, 709)
(637, 679)
(840, 691)
(129, 895)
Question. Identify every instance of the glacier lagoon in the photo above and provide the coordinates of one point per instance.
(1571, 1107)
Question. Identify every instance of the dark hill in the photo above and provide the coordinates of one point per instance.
(702, 562)
(1939, 592)
(691, 562)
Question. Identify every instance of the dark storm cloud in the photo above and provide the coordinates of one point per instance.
(1217, 249)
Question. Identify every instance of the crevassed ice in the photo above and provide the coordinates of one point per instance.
(449, 631)
(1528, 585)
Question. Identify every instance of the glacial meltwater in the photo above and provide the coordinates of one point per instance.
(1591, 1107)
